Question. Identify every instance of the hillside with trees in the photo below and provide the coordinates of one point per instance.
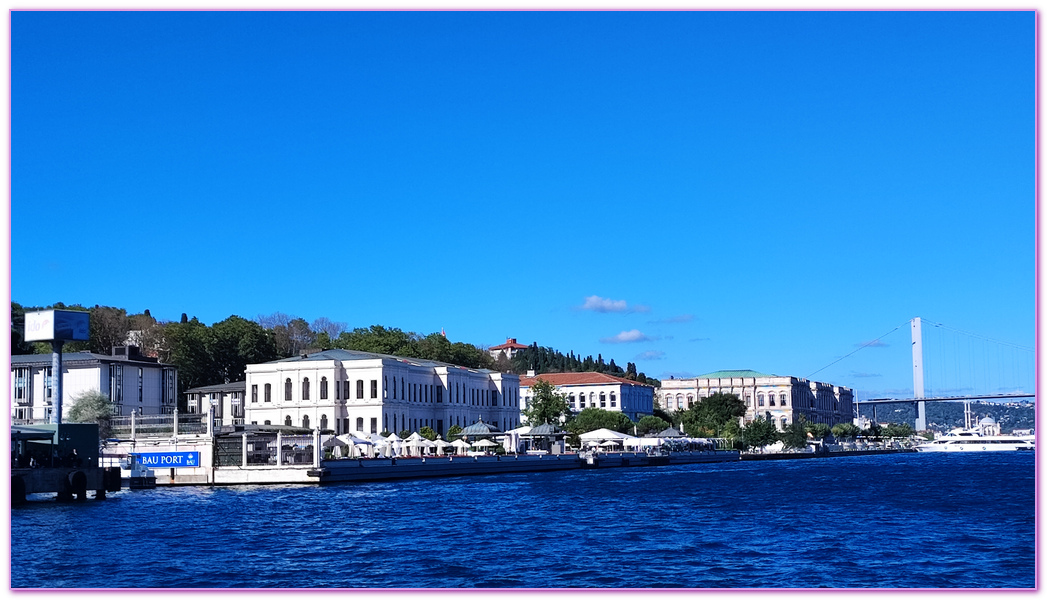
(546, 360)
(220, 352)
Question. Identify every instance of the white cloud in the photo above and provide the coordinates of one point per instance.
(603, 305)
(598, 304)
(650, 355)
(633, 335)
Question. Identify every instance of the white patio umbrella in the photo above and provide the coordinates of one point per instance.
(461, 445)
(484, 444)
(440, 445)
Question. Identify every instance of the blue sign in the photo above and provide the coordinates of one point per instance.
(168, 460)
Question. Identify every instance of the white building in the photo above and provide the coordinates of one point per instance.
(348, 390)
(781, 399)
(226, 398)
(596, 390)
(133, 383)
(510, 348)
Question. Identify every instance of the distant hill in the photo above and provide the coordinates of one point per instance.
(943, 416)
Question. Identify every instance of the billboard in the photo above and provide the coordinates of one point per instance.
(65, 325)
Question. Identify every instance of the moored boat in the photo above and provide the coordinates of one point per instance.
(985, 437)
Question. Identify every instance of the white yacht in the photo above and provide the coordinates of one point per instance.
(985, 437)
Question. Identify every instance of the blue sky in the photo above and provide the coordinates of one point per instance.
(688, 191)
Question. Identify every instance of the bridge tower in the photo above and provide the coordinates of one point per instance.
(917, 373)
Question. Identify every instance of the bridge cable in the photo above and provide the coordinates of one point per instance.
(865, 345)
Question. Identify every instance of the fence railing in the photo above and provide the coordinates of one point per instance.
(152, 425)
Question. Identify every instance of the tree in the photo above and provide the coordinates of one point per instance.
(650, 424)
(188, 351)
(901, 430)
(454, 431)
(709, 416)
(592, 419)
(108, 327)
(427, 432)
(546, 405)
(845, 431)
(235, 343)
(92, 406)
(818, 431)
(795, 434)
(760, 432)
(333, 329)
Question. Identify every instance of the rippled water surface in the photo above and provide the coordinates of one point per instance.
(911, 521)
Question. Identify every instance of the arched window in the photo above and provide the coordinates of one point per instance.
(323, 421)
(759, 399)
(783, 424)
(287, 420)
(783, 398)
(287, 390)
(323, 389)
(679, 401)
(359, 423)
(305, 388)
(603, 400)
(572, 400)
(267, 422)
(614, 400)
(690, 400)
(305, 421)
(268, 392)
(770, 399)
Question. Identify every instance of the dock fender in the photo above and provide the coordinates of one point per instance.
(17, 489)
(77, 482)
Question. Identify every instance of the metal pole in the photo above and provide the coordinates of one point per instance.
(56, 382)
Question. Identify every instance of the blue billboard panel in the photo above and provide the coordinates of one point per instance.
(168, 460)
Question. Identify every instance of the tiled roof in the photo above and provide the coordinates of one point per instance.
(735, 373)
(508, 345)
(590, 378)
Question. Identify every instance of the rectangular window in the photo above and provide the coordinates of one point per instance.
(360, 389)
(374, 424)
(374, 389)
(440, 393)
(47, 383)
(139, 384)
(254, 392)
(268, 392)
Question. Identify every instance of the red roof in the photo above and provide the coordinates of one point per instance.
(591, 378)
(509, 343)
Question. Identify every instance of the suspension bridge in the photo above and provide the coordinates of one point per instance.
(964, 367)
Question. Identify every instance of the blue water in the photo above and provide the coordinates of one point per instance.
(896, 521)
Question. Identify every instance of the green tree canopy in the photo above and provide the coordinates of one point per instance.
(818, 431)
(760, 432)
(427, 432)
(708, 417)
(454, 432)
(545, 405)
(902, 430)
(592, 419)
(795, 434)
(845, 431)
(92, 406)
(650, 424)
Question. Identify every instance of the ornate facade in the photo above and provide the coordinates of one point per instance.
(782, 399)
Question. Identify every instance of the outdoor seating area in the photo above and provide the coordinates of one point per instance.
(359, 445)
